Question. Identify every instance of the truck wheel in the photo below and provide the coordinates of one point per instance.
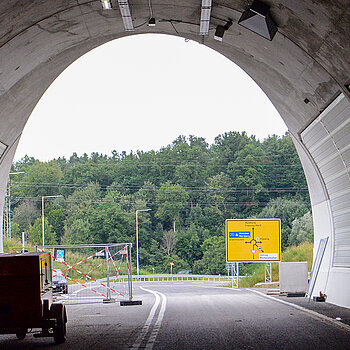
(58, 311)
(21, 333)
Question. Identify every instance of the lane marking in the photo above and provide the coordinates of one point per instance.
(148, 322)
(156, 327)
(328, 319)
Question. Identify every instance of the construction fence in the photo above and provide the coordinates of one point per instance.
(88, 273)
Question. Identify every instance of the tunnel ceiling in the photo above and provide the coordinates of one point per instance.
(303, 69)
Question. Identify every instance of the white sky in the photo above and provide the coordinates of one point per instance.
(140, 93)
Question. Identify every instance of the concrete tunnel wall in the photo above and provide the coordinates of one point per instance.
(309, 58)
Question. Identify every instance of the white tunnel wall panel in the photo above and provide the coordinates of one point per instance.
(337, 184)
(316, 138)
(342, 119)
(342, 237)
(335, 177)
(327, 140)
(342, 240)
(342, 138)
(325, 151)
(334, 166)
(338, 205)
(346, 156)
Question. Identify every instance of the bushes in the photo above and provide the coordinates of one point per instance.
(302, 252)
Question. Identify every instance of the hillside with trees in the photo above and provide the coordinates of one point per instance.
(190, 186)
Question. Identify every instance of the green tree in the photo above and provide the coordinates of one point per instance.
(77, 232)
(188, 246)
(214, 257)
(25, 214)
(287, 210)
(283, 164)
(35, 233)
(15, 230)
(172, 199)
(56, 212)
(110, 224)
(80, 206)
(153, 257)
(169, 242)
(41, 179)
(302, 230)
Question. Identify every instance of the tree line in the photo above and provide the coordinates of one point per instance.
(190, 186)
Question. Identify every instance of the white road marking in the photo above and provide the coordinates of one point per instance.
(149, 320)
(156, 328)
(334, 322)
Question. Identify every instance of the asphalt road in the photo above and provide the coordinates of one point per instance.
(191, 315)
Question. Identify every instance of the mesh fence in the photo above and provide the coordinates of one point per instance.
(89, 273)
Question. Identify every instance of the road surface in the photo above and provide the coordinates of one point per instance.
(191, 315)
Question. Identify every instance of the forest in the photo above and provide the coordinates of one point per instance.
(190, 187)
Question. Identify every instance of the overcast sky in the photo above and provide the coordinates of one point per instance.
(140, 93)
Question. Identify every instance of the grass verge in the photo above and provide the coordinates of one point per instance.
(302, 252)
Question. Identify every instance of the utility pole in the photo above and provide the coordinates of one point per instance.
(7, 208)
(137, 239)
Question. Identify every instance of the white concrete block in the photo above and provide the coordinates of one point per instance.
(293, 277)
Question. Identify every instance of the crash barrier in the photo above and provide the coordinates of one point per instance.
(178, 277)
(89, 273)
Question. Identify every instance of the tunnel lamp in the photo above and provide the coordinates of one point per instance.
(220, 30)
(126, 15)
(205, 17)
(106, 4)
(152, 22)
(347, 86)
(257, 19)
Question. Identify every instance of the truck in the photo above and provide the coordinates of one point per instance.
(26, 297)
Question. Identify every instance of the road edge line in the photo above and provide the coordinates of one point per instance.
(154, 333)
(328, 319)
(143, 333)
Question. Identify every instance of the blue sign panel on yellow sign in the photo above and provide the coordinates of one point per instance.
(240, 234)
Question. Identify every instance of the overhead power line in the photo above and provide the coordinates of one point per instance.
(137, 187)
(212, 203)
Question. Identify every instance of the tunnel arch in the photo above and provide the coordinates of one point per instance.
(303, 71)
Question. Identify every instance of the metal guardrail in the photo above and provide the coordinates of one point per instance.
(175, 277)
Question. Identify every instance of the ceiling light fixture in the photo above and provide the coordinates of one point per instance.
(126, 15)
(106, 4)
(257, 19)
(220, 30)
(205, 17)
(152, 22)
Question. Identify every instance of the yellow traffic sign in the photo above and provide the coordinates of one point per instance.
(253, 240)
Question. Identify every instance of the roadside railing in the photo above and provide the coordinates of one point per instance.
(175, 277)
